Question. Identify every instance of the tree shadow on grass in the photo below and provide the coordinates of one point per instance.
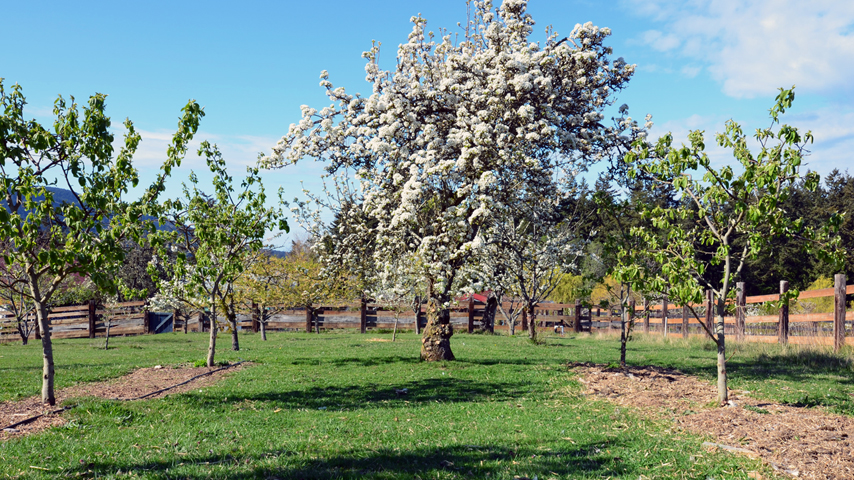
(793, 366)
(371, 395)
(456, 461)
(356, 361)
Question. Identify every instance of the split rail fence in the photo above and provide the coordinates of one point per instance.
(84, 321)
(661, 317)
(834, 328)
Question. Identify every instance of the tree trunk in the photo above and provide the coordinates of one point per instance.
(212, 344)
(436, 341)
(394, 333)
(24, 330)
(488, 322)
(624, 324)
(48, 370)
(263, 317)
(232, 319)
(107, 337)
(532, 323)
(723, 396)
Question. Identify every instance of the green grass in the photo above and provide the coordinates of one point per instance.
(324, 406)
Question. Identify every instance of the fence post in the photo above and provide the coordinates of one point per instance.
(471, 314)
(91, 318)
(146, 322)
(363, 315)
(308, 319)
(645, 315)
(576, 325)
(740, 302)
(664, 316)
(839, 288)
(783, 325)
(709, 314)
(684, 321)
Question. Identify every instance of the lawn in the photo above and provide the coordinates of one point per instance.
(325, 406)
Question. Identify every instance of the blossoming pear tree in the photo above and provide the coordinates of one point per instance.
(444, 135)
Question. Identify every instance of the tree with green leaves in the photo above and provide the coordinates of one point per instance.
(51, 241)
(723, 204)
(212, 238)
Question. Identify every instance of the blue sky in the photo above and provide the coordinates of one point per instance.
(252, 64)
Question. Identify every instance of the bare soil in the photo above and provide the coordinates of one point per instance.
(136, 384)
(800, 442)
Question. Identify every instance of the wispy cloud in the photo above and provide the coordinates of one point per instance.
(752, 48)
(833, 132)
(238, 150)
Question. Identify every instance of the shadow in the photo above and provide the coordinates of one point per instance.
(466, 461)
(794, 366)
(357, 361)
(370, 395)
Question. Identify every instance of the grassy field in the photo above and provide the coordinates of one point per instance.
(324, 406)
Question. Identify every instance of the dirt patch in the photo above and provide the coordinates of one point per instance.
(801, 442)
(140, 382)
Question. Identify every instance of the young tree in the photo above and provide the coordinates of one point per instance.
(534, 244)
(306, 283)
(14, 300)
(447, 135)
(726, 203)
(213, 237)
(622, 250)
(263, 284)
(51, 241)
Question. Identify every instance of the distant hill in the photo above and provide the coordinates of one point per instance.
(62, 195)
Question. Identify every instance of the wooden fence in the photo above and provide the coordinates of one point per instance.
(85, 321)
(665, 318)
(368, 316)
(835, 328)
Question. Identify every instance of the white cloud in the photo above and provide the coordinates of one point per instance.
(690, 71)
(659, 41)
(752, 48)
(239, 150)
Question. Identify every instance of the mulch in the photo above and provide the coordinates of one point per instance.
(136, 384)
(800, 442)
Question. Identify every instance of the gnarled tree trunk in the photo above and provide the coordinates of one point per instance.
(436, 341)
(488, 323)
